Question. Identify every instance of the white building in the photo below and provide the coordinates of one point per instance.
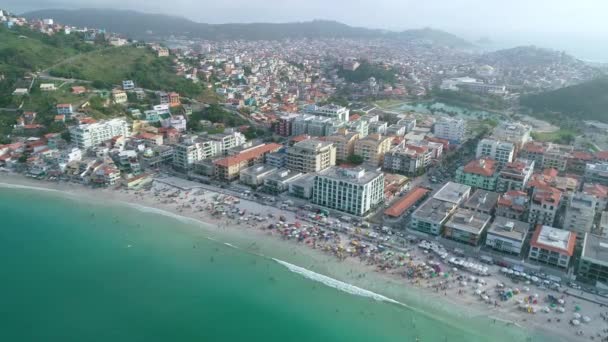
(330, 111)
(580, 213)
(507, 235)
(513, 132)
(552, 246)
(89, 135)
(186, 154)
(355, 191)
(450, 129)
(501, 151)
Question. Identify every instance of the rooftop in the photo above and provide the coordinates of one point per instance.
(283, 175)
(514, 199)
(509, 228)
(553, 239)
(482, 200)
(518, 167)
(260, 169)
(406, 202)
(312, 144)
(248, 154)
(452, 192)
(595, 249)
(434, 210)
(469, 221)
(356, 175)
(484, 167)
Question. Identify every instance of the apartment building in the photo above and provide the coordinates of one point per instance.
(191, 150)
(407, 160)
(481, 174)
(329, 111)
(547, 155)
(372, 149)
(516, 133)
(355, 191)
(597, 173)
(229, 168)
(515, 175)
(311, 155)
(501, 151)
(580, 213)
(552, 246)
(344, 142)
(89, 135)
(451, 129)
(513, 204)
(466, 226)
(507, 235)
(544, 205)
(593, 263)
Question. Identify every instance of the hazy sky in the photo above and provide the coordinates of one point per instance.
(562, 24)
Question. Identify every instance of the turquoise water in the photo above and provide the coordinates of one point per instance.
(75, 270)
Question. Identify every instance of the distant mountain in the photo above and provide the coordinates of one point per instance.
(584, 101)
(529, 56)
(146, 26)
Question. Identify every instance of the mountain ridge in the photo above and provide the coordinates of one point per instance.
(139, 25)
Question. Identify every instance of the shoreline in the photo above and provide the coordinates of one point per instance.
(387, 285)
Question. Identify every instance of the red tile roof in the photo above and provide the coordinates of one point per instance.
(547, 194)
(406, 202)
(568, 251)
(582, 155)
(597, 190)
(484, 167)
(534, 147)
(551, 172)
(248, 155)
(601, 155)
(354, 117)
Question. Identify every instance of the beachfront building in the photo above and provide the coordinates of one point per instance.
(89, 135)
(580, 213)
(451, 129)
(372, 149)
(480, 174)
(552, 246)
(302, 187)
(229, 168)
(513, 205)
(254, 176)
(515, 175)
(192, 150)
(507, 235)
(544, 206)
(277, 159)
(501, 151)
(482, 201)
(355, 191)
(593, 263)
(466, 226)
(597, 173)
(278, 181)
(453, 193)
(311, 155)
(406, 203)
(344, 142)
(431, 216)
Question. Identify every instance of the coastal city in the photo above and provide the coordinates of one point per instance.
(345, 146)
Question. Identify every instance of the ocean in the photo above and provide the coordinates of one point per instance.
(75, 269)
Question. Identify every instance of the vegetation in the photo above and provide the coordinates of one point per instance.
(111, 66)
(585, 101)
(367, 70)
(562, 136)
(355, 159)
(216, 114)
(466, 99)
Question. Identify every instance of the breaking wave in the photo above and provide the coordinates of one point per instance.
(336, 284)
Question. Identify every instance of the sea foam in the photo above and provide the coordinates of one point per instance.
(337, 284)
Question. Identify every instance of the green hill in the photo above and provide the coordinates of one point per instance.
(113, 65)
(145, 26)
(585, 101)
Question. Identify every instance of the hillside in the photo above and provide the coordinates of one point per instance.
(147, 26)
(529, 56)
(111, 66)
(585, 101)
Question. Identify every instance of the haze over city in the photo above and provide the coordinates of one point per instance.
(574, 26)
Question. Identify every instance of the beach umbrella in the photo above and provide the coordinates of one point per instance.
(561, 301)
(478, 292)
(526, 289)
(586, 319)
(577, 308)
(576, 322)
(546, 309)
(561, 310)
(534, 279)
(504, 270)
(577, 315)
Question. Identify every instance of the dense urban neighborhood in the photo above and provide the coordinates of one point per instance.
(392, 141)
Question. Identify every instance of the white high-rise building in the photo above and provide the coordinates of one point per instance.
(355, 191)
(89, 135)
(501, 151)
(330, 111)
(450, 129)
